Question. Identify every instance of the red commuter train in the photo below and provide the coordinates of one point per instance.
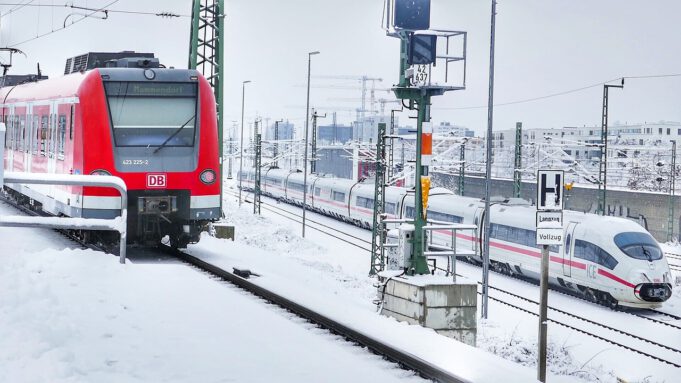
(154, 127)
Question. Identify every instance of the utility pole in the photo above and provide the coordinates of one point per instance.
(241, 148)
(462, 167)
(313, 164)
(603, 163)
(488, 170)
(307, 120)
(672, 191)
(518, 163)
(378, 232)
(231, 150)
(206, 55)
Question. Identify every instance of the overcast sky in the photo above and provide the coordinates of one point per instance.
(543, 47)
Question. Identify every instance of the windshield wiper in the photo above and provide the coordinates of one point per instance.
(646, 252)
(174, 134)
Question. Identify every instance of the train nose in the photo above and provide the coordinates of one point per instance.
(653, 292)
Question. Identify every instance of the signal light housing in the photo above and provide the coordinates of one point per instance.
(100, 172)
(208, 177)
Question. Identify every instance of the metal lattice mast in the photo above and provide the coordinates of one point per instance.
(313, 160)
(518, 162)
(672, 191)
(206, 54)
(603, 163)
(390, 165)
(378, 231)
(275, 147)
(462, 168)
(258, 173)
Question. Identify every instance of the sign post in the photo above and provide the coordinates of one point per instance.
(549, 232)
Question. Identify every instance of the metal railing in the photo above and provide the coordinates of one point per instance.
(118, 224)
(431, 249)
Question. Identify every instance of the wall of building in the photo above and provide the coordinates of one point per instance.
(651, 210)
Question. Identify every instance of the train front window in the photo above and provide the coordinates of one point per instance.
(638, 246)
(152, 114)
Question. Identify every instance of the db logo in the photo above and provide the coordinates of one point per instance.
(156, 181)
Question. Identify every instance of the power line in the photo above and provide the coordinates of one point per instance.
(560, 93)
(17, 6)
(21, 5)
(65, 26)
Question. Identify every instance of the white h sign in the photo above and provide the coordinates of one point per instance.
(550, 190)
(550, 207)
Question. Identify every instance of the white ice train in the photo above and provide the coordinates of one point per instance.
(609, 260)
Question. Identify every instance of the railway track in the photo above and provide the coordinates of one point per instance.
(294, 217)
(402, 358)
(591, 323)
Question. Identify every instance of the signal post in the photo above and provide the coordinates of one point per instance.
(423, 74)
(549, 232)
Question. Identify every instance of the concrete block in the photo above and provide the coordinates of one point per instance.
(445, 318)
(224, 231)
(451, 295)
(444, 306)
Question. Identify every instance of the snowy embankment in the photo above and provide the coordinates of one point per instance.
(78, 316)
(331, 276)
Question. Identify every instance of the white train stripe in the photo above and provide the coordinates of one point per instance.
(92, 202)
(204, 201)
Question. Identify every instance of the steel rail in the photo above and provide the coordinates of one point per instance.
(587, 333)
(403, 358)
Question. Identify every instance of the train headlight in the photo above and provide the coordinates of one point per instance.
(100, 172)
(207, 176)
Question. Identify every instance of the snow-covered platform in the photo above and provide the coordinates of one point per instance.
(431, 301)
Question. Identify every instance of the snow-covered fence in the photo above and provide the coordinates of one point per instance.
(118, 224)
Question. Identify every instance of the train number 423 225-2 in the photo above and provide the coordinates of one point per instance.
(135, 162)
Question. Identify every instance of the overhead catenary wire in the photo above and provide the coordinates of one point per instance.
(18, 6)
(85, 16)
(562, 93)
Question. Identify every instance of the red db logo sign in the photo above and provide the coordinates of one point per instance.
(156, 181)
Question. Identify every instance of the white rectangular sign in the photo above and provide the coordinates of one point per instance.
(549, 219)
(550, 190)
(552, 236)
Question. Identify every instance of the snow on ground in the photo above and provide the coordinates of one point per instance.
(79, 316)
(673, 306)
(312, 270)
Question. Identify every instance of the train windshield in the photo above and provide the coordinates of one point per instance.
(152, 113)
(639, 246)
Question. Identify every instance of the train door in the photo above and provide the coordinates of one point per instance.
(52, 140)
(9, 138)
(478, 220)
(568, 249)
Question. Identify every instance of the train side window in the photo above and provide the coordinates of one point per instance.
(22, 134)
(73, 112)
(61, 136)
(35, 132)
(317, 191)
(409, 212)
(366, 203)
(590, 252)
(337, 196)
(43, 135)
(390, 208)
(52, 137)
